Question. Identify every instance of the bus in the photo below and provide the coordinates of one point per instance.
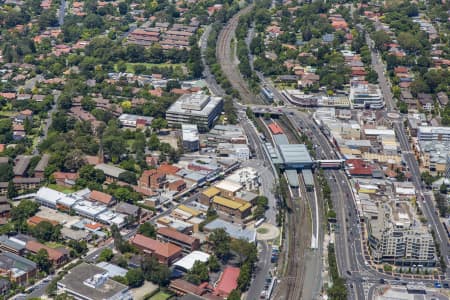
(259, 222)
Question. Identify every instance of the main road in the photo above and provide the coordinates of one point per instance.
(425, 199)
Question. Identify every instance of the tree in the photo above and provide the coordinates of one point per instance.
(154, 271)
(74, 160)
(128, 177)
(106, 255)
(42, 261)
(24, 210)
(199, 273)
(46, 232)
(135, 278)
(153, 142)
(220, 241)
(245, 250)
(234, 295)
(159, 123)
(12, 192)
(114, 146)
(213, 264)
(244, 277)
(148, 230)
(380, 38)
(123, 8)
(427, 178)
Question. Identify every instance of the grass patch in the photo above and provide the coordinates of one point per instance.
(54, 245)
(161, 296)
(130, 66)
(262, 230)
(61, 189)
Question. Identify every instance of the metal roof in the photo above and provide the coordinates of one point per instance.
(292, 177)
(308, 177)
(295, 153)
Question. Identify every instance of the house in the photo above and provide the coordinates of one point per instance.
(442, 98)
(18, 132)
(228, 281)
(18, 269)
(426, 101)
(112, 173)
(5, 207)
(40, 167)
(167, 169)
(57, 257)
(182, 287)
(186, 242)
(65, 179)
(165, 253)
(103, 198)
(21, 164)
(27, 184)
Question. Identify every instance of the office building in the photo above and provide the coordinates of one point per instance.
(366, 96)
(199, 109)
(431, 133)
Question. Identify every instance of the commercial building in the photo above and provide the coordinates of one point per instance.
(18, 269)
(89, 282)
(112, 173)
(247, 177)
(186, 242)
(207, 195)
(190, 139)
(231, 207)
(199, 109)
(134, 121)
(165, 253)
(366, 96)
(395, 237)
(186, 263)
(235, 232)
(430, 133)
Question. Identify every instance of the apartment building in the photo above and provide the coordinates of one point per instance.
(186, 242)
(396, 238)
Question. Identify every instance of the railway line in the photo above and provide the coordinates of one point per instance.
(298, 227)
(228, 61)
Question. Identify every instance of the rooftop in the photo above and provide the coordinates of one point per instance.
(195, 104)
(295, 153)
(187, 262)
(110, 170)
(234, 231)
(76, 278)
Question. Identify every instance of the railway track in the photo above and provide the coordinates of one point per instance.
(228, 61)
(298, 228)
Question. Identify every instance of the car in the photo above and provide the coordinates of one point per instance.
(437, 285)
(445, 285)
(349, 273)
(382, 281)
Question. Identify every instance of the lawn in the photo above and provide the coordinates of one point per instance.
(61, 189)
(54, 245)
(130, 66)
(161, 296)
(262, 230)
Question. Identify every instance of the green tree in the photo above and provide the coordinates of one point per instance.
(128, 177)
(148, 230)
(199, 273)
(234, 295)
(213, 264)
(46, 232)
(106, 255)
(153, 142)
(11, 192)
(135, 278)
(245, 250)
(42, 261)
(220, 242)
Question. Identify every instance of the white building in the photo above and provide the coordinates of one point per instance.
(190, 138)
(366, 96)
(133, 121)
(200, 109)
(247, 177)
(431, 133)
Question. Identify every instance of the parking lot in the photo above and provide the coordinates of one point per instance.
(62, 218)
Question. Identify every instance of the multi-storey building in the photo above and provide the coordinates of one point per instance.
(396, 238)
(199, 109)
(366, 96)
(431, 133)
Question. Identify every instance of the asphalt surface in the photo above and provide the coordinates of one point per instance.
(425, 199)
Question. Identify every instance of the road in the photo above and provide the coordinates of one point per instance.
(426, 199)
(62, 12)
